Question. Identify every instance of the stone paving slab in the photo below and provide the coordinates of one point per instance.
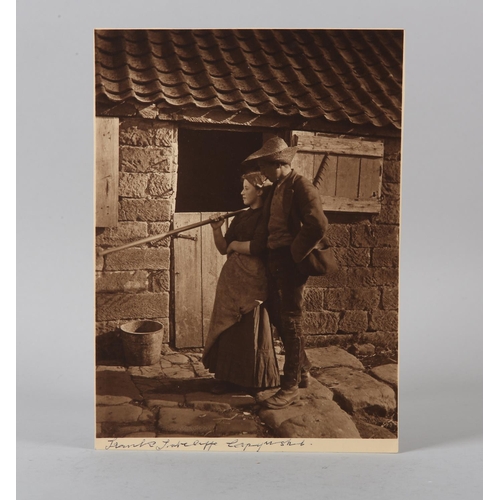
(355, 390)
(315, 418)
(166, 400)
(116, 383)
(200, 370)
(210, 406)
(164, 363)
(370, 431)
(186, 421)
(179, 371)
(236, 427)
(118, 414)
(127, 430)
(177, 391)
(386, 373)
(112, 400)
(177, 358)
(111, 368)
(152, 371)
(233, 400)
(145, 434)
(332, 356)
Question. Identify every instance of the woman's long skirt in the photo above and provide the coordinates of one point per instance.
(244, 353)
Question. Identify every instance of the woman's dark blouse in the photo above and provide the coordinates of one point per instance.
(249, 226)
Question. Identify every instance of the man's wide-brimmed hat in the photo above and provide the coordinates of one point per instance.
(274, 149)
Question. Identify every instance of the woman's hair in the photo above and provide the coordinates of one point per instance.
(256, 179)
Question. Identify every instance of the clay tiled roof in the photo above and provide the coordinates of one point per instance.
(337, 75)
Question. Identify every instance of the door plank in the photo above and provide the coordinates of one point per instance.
(106, 172)
(347, 177)
(303, 164)
(308, 141)
(188, 285)
(328, 184)
(370, 178)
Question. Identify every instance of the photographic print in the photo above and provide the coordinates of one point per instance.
(247, 213)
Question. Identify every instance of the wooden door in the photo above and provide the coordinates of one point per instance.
(197, 265)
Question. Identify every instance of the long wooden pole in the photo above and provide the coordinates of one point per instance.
(169, 233)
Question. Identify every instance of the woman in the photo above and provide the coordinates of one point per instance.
(239, 347)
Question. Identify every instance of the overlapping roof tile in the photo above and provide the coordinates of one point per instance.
(338, 75)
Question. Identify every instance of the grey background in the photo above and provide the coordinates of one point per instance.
(441, 262)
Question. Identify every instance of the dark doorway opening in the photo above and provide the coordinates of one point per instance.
(209, 173)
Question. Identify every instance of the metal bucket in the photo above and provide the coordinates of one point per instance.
(142, 342)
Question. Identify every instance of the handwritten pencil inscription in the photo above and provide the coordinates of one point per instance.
(202, 444)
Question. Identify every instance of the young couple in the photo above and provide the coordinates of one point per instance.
(260, 284)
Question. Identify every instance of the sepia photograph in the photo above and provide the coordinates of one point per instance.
(247, 229)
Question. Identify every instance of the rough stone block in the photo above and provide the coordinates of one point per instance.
(385, 257)
(137, 133)
(338, 235)
(131, 306)
(354, 322)
(390, 298)
(138, 258)
(384, 320)
(132, 185)
(145, 210)
(125, 232)
(392, 171)
(392, 148)
(333, 280)
(122, 281)
(391, 191)
(364, 298)
(370, 236)
(99, 263)
(313, 299)
(160, 281)
(105, 327)
(389, 214)
(320, 322)
(160, 228)
(354, 299)
(336, 299)
(386, 341)
(352, 257)
(145, 160)
(372, 277)
(160, 185)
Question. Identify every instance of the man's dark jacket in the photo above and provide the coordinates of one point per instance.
(307, 222)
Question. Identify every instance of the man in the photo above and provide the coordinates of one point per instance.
(296, 224)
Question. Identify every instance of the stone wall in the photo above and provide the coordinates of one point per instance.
(359, 304)
(135, 283)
